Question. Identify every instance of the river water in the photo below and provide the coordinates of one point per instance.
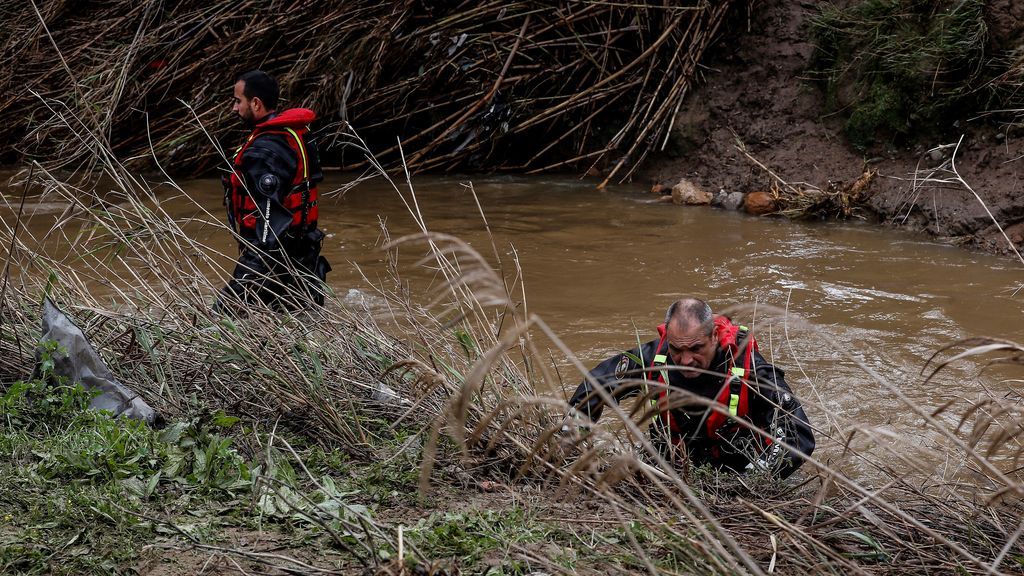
(601, 266)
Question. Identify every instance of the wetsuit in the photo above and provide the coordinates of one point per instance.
(770, 406)
(272, 204)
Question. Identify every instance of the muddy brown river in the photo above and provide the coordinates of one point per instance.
(600, 267)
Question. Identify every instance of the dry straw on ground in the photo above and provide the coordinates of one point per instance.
(469, 366)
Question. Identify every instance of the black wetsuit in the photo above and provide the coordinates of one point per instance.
(772, 407)
(279, 262)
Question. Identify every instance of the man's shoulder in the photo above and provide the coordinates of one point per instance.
(290, 119)
(269, 142)
(270, 152)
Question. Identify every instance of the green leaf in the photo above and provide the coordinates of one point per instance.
(172, 434)
(151, 485)
(468, 345)
(224, 421)
(134, 486)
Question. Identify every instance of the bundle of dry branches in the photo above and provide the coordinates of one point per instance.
(498, 85)
(802, 201)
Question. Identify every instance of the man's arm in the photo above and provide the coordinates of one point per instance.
(776, 410)
(268, 167)
(617, 375)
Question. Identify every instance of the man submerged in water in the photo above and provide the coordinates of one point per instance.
(700, 358)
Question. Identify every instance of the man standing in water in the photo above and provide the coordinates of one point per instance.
(715, 399)
(271, 200)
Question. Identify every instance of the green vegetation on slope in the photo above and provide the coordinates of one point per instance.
(893, 68)
(84, 493)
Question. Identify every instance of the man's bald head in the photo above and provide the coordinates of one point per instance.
(691, 312)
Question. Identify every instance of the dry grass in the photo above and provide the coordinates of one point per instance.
(466, 358)
(946, 176)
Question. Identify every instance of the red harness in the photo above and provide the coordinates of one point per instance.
(734, 392)
(301, 200)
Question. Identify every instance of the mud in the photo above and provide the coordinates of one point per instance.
(755, 88)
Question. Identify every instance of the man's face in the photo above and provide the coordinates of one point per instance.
(689, 347)
(243, 106)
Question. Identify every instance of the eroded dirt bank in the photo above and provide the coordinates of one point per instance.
(756, 88)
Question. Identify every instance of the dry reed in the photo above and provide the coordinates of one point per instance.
(462, 85)
(490, 393)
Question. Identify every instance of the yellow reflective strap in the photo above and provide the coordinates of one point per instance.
(659, 360)
(302, 150)
(734, 402)
(744, 328)
(739, 372)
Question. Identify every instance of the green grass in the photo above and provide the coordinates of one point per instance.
(895, 68)
(80, 487)
(81, 490)
(470, 536)
(84, 493)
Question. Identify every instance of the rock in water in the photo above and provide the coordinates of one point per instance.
(686, 192)
(77, 361)
(759, 203)
(733, 201)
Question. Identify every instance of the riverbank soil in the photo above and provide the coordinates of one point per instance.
(757, 89)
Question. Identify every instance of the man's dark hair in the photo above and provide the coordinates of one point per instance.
(692, 310)
(259, 84)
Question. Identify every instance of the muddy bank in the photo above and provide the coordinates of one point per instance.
(755, 88)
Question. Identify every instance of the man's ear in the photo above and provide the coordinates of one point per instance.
(257, 104)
